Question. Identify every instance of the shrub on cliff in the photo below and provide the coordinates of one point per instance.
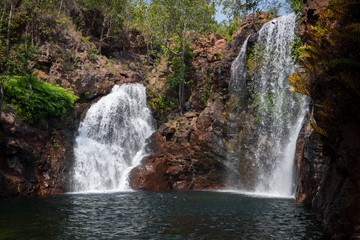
(35, 100)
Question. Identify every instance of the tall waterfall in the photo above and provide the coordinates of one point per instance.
(277, 112)
(111, 140)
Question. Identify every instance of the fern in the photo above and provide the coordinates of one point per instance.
(319, 130)
(339, 61)
(343, 3)
(352, 31)
(298, 84)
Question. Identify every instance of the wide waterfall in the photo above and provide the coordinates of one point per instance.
(276, 112)
(111, 140)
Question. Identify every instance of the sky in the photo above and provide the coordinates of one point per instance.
(219, 16)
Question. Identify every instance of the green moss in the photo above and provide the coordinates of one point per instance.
(35, 100)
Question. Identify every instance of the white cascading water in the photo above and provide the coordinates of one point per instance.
(279, 113)
(239, 69)
(111, 140)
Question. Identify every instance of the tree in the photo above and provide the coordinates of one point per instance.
(165, 20)
(239, 9)
(6, 55)
(113, 11)
(3, 10)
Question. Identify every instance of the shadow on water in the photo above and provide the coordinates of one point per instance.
(156, 215)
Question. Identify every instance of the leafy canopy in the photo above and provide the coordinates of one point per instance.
(170, 19)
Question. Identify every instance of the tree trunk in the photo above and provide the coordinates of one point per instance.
(103, 26)
(3, 12)
(182, 84)
(60, 7)
(6, 54)
(9, 29)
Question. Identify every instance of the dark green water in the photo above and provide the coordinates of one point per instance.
(146, 215)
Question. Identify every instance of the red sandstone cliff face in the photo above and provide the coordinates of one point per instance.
(189, 151)
(329, 167)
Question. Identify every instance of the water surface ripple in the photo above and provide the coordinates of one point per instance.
(154, 215)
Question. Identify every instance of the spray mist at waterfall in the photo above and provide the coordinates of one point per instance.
(278, 112)
(111, 140)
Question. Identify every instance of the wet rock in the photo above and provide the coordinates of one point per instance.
(195, 152)
(311, 165)
(33, 160)
(181, 162)
(329, 177)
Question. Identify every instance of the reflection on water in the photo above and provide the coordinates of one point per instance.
(165, 215)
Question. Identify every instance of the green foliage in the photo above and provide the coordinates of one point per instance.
(295, 48)
(35, 100)
(237, 10)
(206, 90)
(231, 28)
(115, 11)
(220, 55)
(273, 10)
(296, 5)
(20, 57)
(166, 23)
(330, 67)
(255, 58)
(160, 104)
(174, 79)
(93, 53)
(56, 144)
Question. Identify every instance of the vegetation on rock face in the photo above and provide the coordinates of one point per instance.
(296, 5)
(329, 66)
(32, 99)
(329, 62)
(35, 100)
(166, 23)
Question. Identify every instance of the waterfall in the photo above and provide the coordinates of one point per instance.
(111, 140)
(277, 112)
(238, 69)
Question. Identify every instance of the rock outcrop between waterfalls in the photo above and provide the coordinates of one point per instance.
(190, 150)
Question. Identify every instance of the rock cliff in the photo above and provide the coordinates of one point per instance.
(190, 150)
(329, 163)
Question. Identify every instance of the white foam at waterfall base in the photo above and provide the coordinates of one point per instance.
(279, 112)
(111, 140)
